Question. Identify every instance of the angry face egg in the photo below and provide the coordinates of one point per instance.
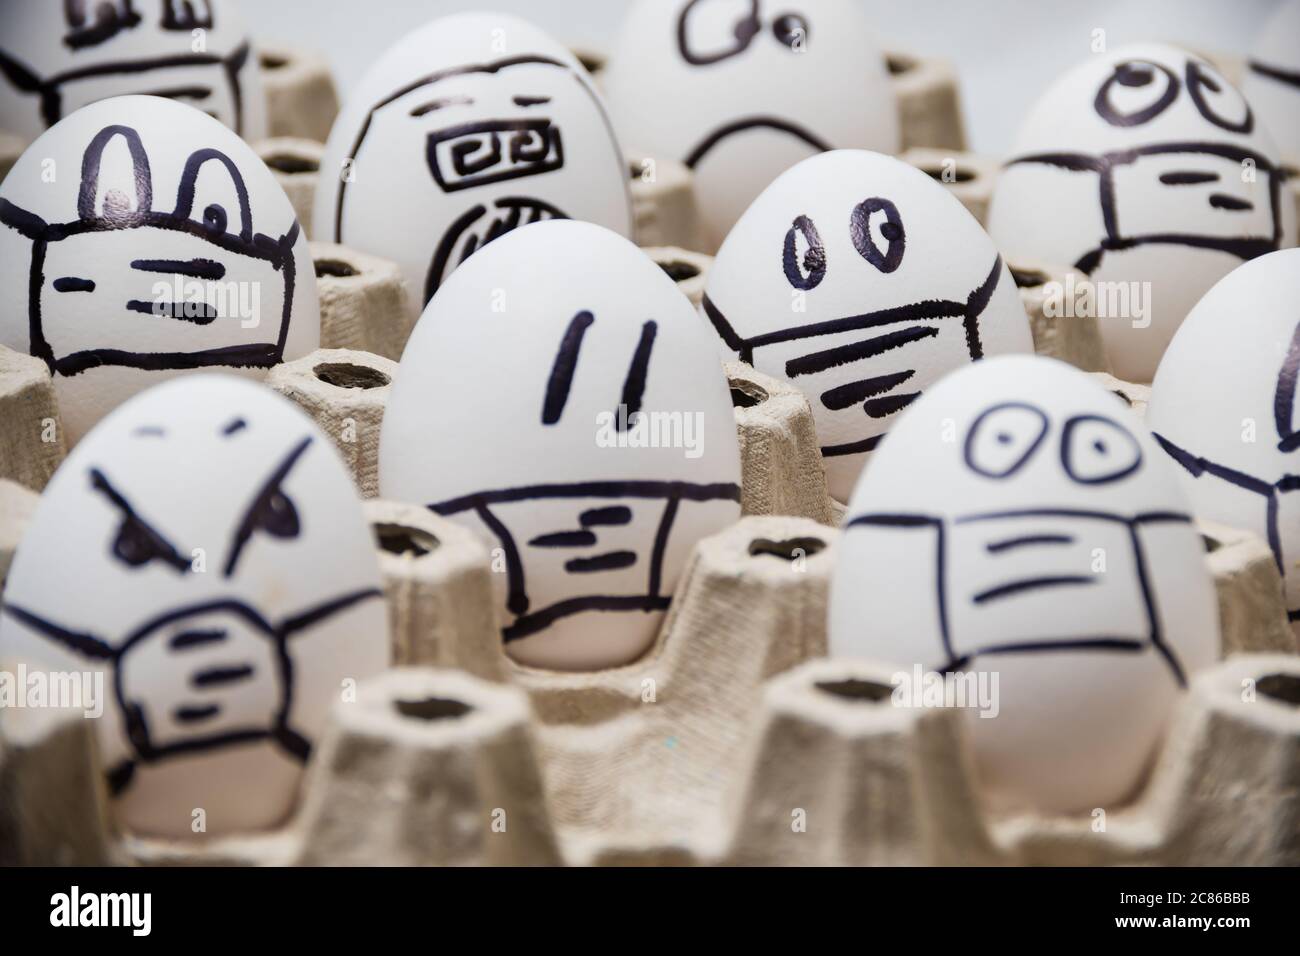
(204, 550)
(741, 90)
(468, 128)
(1022, 529)
(1148, 171)
(861, 280)
(562, 397)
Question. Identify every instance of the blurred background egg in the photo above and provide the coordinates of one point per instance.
(1147, 170)
(1272, 80)
(1223, 405)
(741, 90)
(203, 548)
(560, 396)
(163, 244)
(467, 128)
(862, 281)
(1020, 526)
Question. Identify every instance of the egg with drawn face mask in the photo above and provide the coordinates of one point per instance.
(561, 397)
(1145, 169)
(57, 56)
(141, 239)
(469, 127)
(1272, 81)
(1021, 533)
(204, 550)
(862, 281)
(741, 90)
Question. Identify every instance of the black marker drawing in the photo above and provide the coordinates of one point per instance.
(228, 236)
(477, 227)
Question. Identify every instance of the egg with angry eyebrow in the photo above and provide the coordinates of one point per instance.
(204, 550)
(862, 281)
(561, 397)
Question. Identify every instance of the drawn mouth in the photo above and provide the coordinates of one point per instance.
(707, 144)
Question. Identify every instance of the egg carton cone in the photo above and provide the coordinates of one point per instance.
(301, 100)
(929, 100)
(664, 212)
(295, 163)
(1252, 605)
(17, 504)
(363, 302)
(344, 391)
(1074, 339)
(839, 774)
(688, 269)
(11, 147)
(968, 176)
(32, 445)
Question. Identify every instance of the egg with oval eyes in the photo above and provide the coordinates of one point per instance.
(1145, 169)
(862, 281)
(203, 549)
(471, 126)
(1021, 533)
(1272, 80)
(593, 434)
(1223, 406)
(141, 239)
(56, 57)
(741, 90)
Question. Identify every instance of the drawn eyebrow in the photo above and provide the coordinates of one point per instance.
(566, 362)
(234, 425)
(634, 383)
(166, 550)
(149, 431)
(429, 107)
(531, 100)
(272, 484)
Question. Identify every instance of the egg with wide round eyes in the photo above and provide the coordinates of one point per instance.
(57, 56)
(1224, 407)
(741, 90)
(862, 281)
(469, 127)
(1021, 542)
(1145, 169)
(202, 552)
(592, 436)
(141, 239)
(1272, 80)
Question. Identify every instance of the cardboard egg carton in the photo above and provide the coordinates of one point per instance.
(11, 147)
(295, 164)
(301, 100)
(968, 176)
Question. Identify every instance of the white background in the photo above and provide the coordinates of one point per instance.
(1005, 50)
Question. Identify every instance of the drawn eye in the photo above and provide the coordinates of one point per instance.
(1096, 450)
(1218, 100)
(277, 516)
(137, 544)
(791, 30)
(1003, 438)
(877, 232)
(804, 256)
(709, 31)
(1135, 93)
(212, 193)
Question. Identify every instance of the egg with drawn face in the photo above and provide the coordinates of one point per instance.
(1020, 531)
(1145, 169)
(204, 549)
(862, 281)
(469, 127)
(591, 434)
(741, 90)
(141, 239)
(1224, 407)
(57, 56)
(1272, 81)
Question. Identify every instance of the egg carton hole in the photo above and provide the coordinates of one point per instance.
(1280, 687)
(857, 691)
(404, 540)
(335, 269)
(959, 174)
(293, 166)
(346, 375)
(789, 549)
(679, 271)
(1211, 544)
(271, 61)
(747, 395)
(1028, 278)
(897, 64)
(432, 708)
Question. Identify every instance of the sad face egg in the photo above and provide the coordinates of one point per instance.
(562, 397)
(203, 548)
(1147, 170)
(140, 239)
(1021, 528)
(471, 126)
(862, 281)
(1224, 406)
(57, 56)
(741, 90)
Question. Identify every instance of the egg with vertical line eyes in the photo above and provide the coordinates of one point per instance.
(471, 126)
(862, 281)
(139, 240)
(57, 56)
(1146, 170)
(1272, 80)
(593, 433)
(1022, 542)
(741, 90)
(203, 549)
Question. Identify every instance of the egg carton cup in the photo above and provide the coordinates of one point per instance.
(690, 270)
(17, 505)
(363, 301)
(1252, 607)
(968, 176)
(1133, 394)
(1075, 339)
(295, 164)
(301, 100)
(664, 211)
(11, 147)
(32, 445)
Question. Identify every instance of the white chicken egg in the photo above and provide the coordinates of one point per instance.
(1272, 81)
